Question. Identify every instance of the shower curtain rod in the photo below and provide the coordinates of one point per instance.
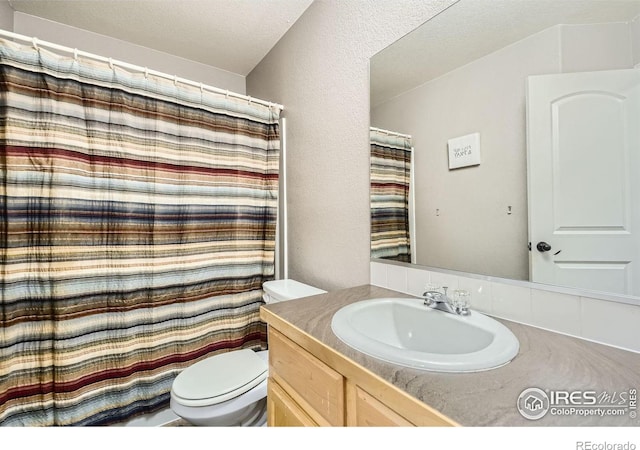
(37, 42)
(392, 133)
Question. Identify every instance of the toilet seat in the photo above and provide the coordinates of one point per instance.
(219, 378)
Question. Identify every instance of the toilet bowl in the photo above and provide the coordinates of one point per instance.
(230, 389)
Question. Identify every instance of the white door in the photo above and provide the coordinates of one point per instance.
(583, 165)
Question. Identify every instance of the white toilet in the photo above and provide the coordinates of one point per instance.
(230, 389)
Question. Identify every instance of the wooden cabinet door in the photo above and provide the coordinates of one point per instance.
(370, 412)
(316, 387)
(282, 411)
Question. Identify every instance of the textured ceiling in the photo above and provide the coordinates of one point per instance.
(471, 29)
(233, 35)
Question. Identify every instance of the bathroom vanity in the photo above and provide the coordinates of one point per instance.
(317, 380)
(310, 384)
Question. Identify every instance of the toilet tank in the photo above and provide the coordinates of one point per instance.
(281, 290)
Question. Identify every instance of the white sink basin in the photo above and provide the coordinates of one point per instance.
(406, 332)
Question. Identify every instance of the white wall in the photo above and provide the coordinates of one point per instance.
(320, 71)
(109, 47)
(473, 232)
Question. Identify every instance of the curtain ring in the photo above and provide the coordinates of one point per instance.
(226, 95)
(111, 63)
(34, 41)
(201, 88)
(249, 99)
(175, 80)
(146, 73)
(75, 54)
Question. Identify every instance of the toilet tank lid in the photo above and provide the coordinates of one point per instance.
(289, 289)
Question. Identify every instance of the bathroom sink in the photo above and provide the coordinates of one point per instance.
(406, 332)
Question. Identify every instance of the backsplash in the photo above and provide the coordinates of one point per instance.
(602, 321)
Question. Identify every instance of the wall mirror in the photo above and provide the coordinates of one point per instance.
(521, 122)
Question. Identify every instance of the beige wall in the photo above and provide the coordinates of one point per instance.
(635, 40)
(6, 16)
(117, 49)
(320, 71)
(584, 48)
(473, 232)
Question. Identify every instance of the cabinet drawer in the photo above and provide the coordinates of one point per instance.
(316, 387)
(282, 411)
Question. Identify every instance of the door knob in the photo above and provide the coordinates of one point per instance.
(543, 247)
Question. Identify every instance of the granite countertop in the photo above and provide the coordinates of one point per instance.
(546, 360)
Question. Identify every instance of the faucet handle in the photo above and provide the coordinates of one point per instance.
(432, 297)
(431, 294)
(461, 302)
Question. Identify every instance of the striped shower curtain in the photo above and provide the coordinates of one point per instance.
(390, 183)
(138, 225)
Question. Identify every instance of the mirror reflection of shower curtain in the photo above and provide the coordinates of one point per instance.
(391, 204)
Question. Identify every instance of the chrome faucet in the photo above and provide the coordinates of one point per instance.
(438, 300)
